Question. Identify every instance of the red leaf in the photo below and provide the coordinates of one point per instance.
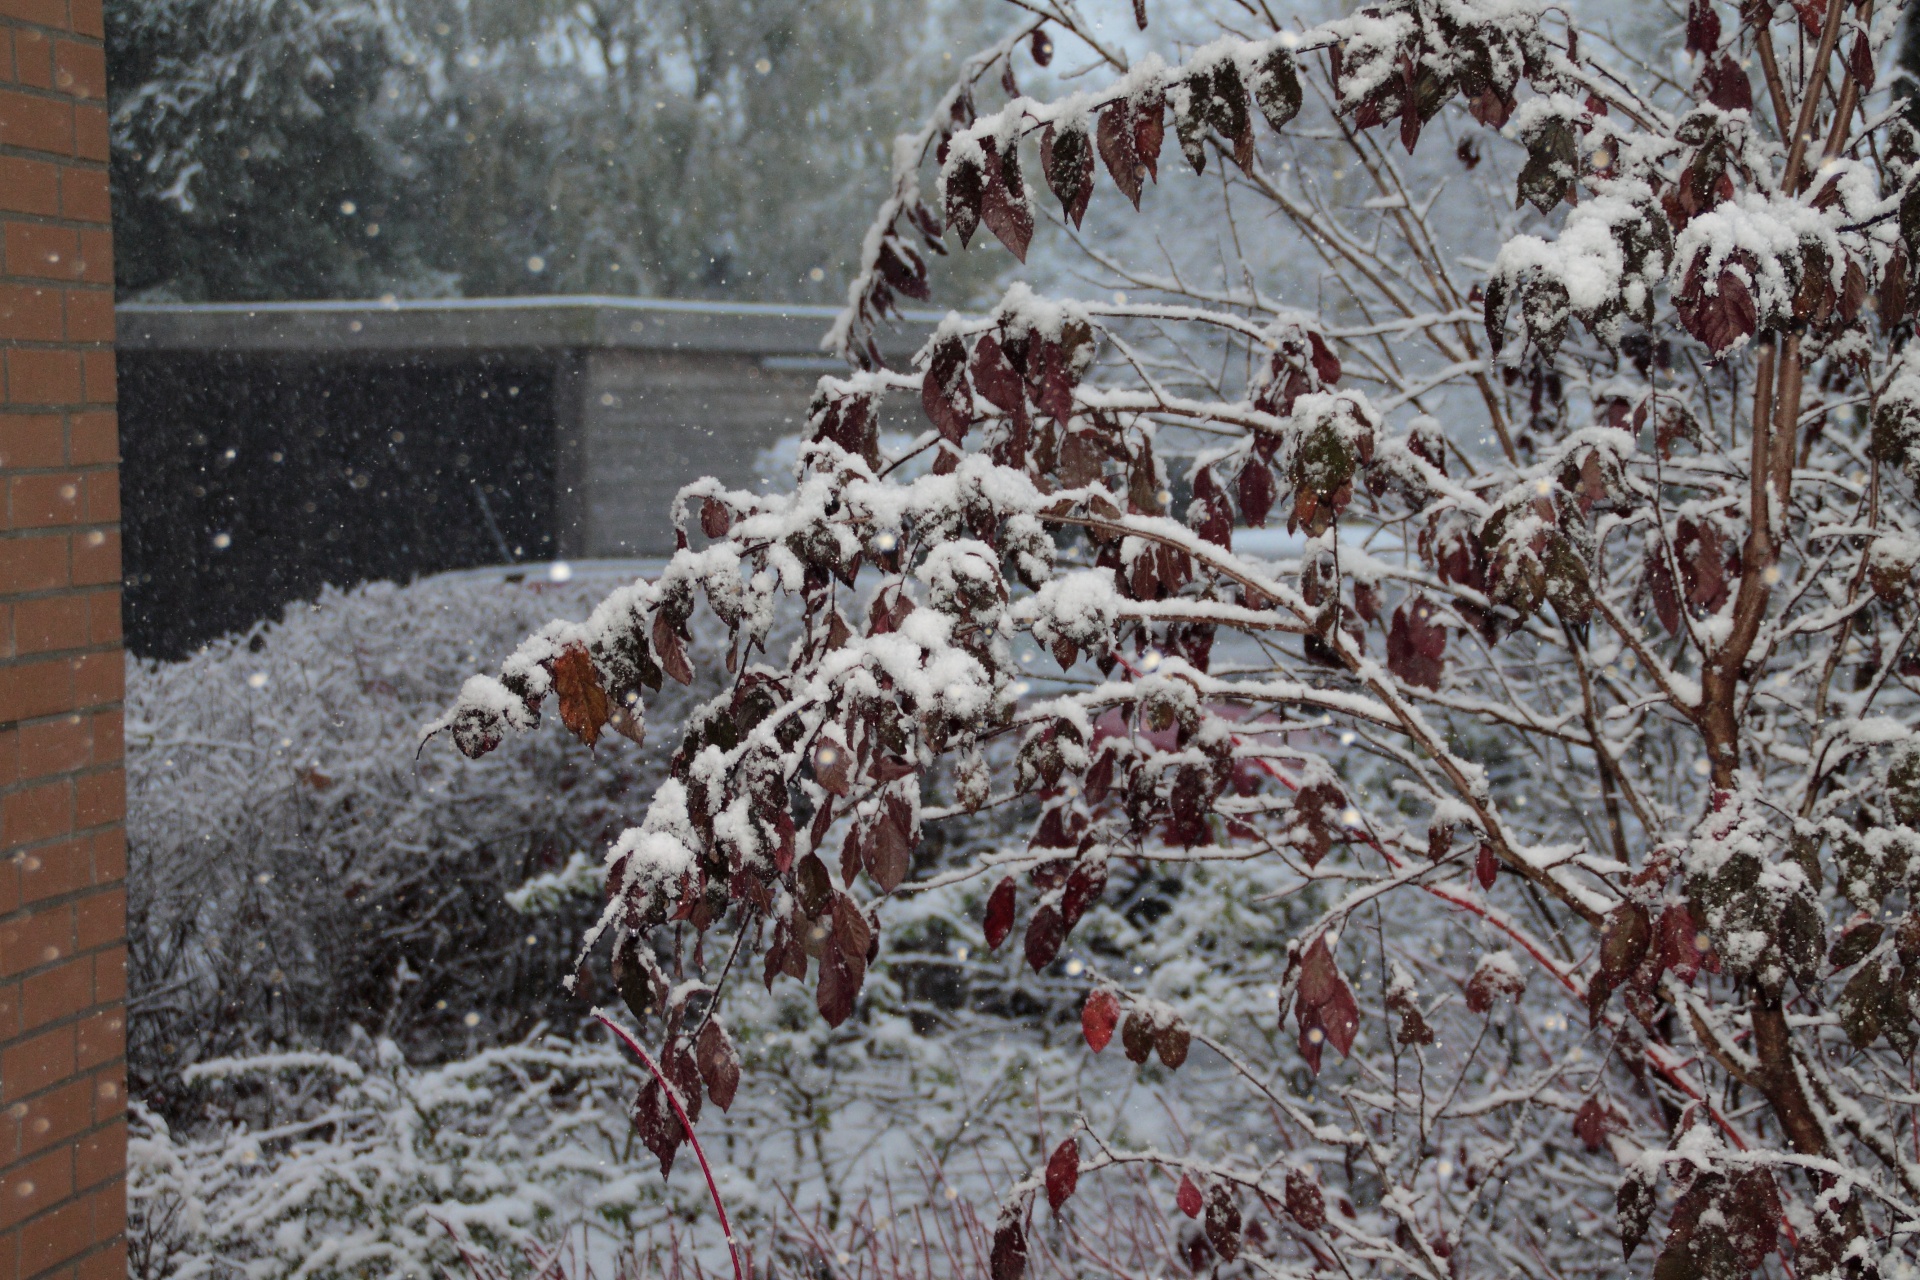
(1680, 948)
(1009, 1258)
(714, 518)
(1593, 1122)
(889, 850)
(1063, 1173)
(1486, 867)
(1306, 1203)
(1860, 63)
(1703, 27)
(996, 379)
(1256, 491)
(583, 703)
(1324, 1005)
(1719, 319)
(719, 1063)
(1416, 644)
(1085, 883)
(1004, 206)
(944, 393)
(999, 921)
(1098, 1017)
(1045, 932)
(1188, 1197)
(833, 765)
(1114, 136)
(1325, 364)
(672, 654)
(966, 185)
(1727, 85)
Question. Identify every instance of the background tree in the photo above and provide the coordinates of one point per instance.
(347, 148)
(1573, 719)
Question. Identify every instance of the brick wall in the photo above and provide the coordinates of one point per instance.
(62, 792)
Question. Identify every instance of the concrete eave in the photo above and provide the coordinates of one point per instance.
(496, 324)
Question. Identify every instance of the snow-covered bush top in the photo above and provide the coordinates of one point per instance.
(1592, 633)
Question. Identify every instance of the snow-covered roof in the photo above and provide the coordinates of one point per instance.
(500, 324)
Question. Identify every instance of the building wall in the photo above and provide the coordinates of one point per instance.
(62, 793)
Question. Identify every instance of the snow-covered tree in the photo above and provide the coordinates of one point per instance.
(1557, 770)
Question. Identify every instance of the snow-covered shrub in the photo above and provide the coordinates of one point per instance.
(295, 871)
(1558, 771)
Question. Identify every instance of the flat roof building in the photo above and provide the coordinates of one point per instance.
(273, 448)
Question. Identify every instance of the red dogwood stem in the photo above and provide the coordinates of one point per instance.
(673, 1097)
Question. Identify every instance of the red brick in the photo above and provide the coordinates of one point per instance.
(100, 1155)
(46, 13)
(51, 996)
(96, 257)
(30, 313)
(31, 815)
(36, 940)
(109, 1093)
(89, 315)
(30, 1127)
(28, 1188)
(32, 564)
(80, 69)
(30, 186)
(102, 492)
(9, 1003)
(60, 745)
(100, 1038)
(110, 976)
(49, 623)
(36, 689)
(49, 870)
(100, 798)
(110, 856)
(32, 58)
(92, 437)
(39, 501)
(87, 19)
(83, 195)
(108, 1264)
(101, 387)
(34, 249)
(103, 627)
(9, 764)
(109, 1205)
(37, 377)
(100, 919)
(6, 57)
(30, 440)
(90, 133)
(55, 1237)
(96, 558)
(35, 124)
(32, 1065)
(98, 679)
(9, 901)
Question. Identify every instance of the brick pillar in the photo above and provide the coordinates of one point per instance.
(62, 789)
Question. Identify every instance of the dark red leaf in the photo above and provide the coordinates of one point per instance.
(719, 1063)
(1727, 85)
(1098, 1017)
(996, 377)
(944, 392)
(1004, 207)
(1223, 1222)
(1257, 493)
(1045, 932)
(1041, 47)
(1680, 948)
(1188, 1197)
(1860, 63)
(833, 764)
(889, 849)
(839, 985)
(583, 703)
(1593, 1122)
(1085, 883)
(669, 651)
(1171, 1040)
(1114, 136)
(999, 922)
(1063, 1173)
(1719, 319)
(1417, 643)
(1703, 27)
(1306, 1203)
(659, 1128)
(1009, 1257)
(1486, 866)
(966, 188)
(1136, 1037)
